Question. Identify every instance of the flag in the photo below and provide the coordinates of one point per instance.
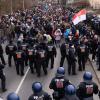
(80, 16)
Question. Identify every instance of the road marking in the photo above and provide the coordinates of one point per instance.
(19, 86)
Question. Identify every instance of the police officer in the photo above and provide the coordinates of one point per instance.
(24, 47)
(70, 93)
(71, 60)
(3, 78)
(64, 52)
(98, 56)
(13, 96)
(51, 54)
(30, 53)
(35, 58)
(39, 94)
(94, 45)
(10, 51)
(20, 57)
(87, 88)
(81, 52)
(41, 56)
(58, 84)
(1, 55)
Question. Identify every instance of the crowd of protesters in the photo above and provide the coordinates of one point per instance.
(34, 35)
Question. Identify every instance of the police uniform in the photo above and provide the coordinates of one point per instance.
(94, 45)
(81, 52)
(71, 61)
(30, 53)
(20, 57)
(35, 55)
(41, 57)
(64, 53)
(51, 53)
(58, 85)
(10, 51)
(2, 77)
(24, 47)
(1, 55)
(86, 90)
(40, 96)
(98, 56)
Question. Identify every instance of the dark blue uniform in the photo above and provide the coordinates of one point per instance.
(40, 96)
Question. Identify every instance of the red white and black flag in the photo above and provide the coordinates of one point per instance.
(78, 17)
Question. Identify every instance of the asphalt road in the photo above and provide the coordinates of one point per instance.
(22, 85)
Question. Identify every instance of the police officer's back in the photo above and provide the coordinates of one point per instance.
(38, 94)
(31, 56)
(41, 57)
(87, 88)
(58, 84)
(10, 51)
(20, 56)
(82, 54)
(24, 47)
(51, 53)
(64, 52)
(71, 60)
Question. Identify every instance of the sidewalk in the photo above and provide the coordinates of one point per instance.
(95, 67)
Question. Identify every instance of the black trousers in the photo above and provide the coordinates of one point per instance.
(20, 67)
(2, 59)
(26, 60)
(9, 59)
(93, 54)
(72, 68)
(3, 81)
(52, 61)
(40, 64)
(62, 60)
(81, 62)
(31, 62)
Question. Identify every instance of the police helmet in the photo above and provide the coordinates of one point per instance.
(60, 71)
(70, 90)
(37, 87)
(13, 96)
(87, 76)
